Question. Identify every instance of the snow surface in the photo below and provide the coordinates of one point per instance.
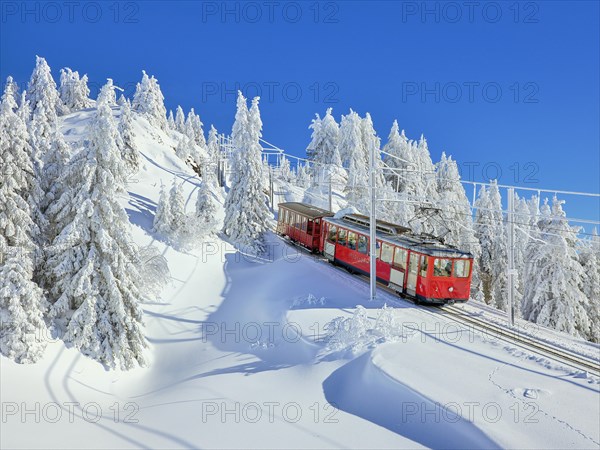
(241, 357)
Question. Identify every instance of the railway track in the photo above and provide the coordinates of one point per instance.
(513, 336)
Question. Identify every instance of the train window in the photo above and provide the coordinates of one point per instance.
(309, 227)
(342, 236)
(377, 250)
(462, 268)
(286, 216)
(352, 240)
(424, 262)
(413, 263)
(400, 255)
(332, 235)
(387, 253)
(442, 267)
(297, 221)
(363, 244)
(304, 220)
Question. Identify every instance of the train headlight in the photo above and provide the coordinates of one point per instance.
(451, 289)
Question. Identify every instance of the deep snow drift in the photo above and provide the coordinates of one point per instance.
(285, 351)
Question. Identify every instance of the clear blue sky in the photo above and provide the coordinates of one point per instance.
(503, 84)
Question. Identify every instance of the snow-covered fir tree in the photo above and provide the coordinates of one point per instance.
(211, 168)
(372, 142)
(355, 156)
(491, 232)
(350, 138)
(149, 100)
(74, 92)
(107, 93)
(285, 170)
(246, 211)
(129, 152)
(522, 227)
(176, 206)
(95, 284)
(456, 215)
(589, 256)
(194, 130)
(424, 189)
(55, 162)
(552, 295)
(163, 218)
(43, 103)
(323, 150)
(42, 93)
(180, 120)
(22, 305)
(171, 120)
(398, 147)
(206, 208)
(183, 148)
(302, 176)
(11, 89)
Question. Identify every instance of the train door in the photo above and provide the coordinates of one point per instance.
(413, 272)
(315, 232)
(330, 240)
(398, 272)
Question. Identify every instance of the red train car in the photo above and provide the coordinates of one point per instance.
(412, 265)
(302, 223)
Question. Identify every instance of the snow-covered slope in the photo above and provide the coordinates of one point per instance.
(240, 357)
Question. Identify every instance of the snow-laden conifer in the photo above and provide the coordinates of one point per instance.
(210, 170)
(149, 101)
(162, 218)
(22, 305)
(107, 93)
(129, 152)
(92, 262)
(10, 96)
(206, 208)
(553, 295)
(589, 257)
(42, 93)
(490, 229)
(180, 119)
(246, 211)
(73, 91)
(456, 214)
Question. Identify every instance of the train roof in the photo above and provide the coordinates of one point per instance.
(310, 211)
(405, 237)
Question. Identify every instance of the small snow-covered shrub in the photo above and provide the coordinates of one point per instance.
(359, 333)
(154, 271)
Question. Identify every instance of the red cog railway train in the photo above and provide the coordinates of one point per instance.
(414, 266)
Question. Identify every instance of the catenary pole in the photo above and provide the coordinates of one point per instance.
(372, 269)
(510, 222)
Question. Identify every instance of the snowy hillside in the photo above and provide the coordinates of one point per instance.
(284, 351)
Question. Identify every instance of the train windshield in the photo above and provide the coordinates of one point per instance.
(442, 267)
(462, 268)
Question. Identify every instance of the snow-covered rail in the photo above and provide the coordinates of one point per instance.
(572, 359)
